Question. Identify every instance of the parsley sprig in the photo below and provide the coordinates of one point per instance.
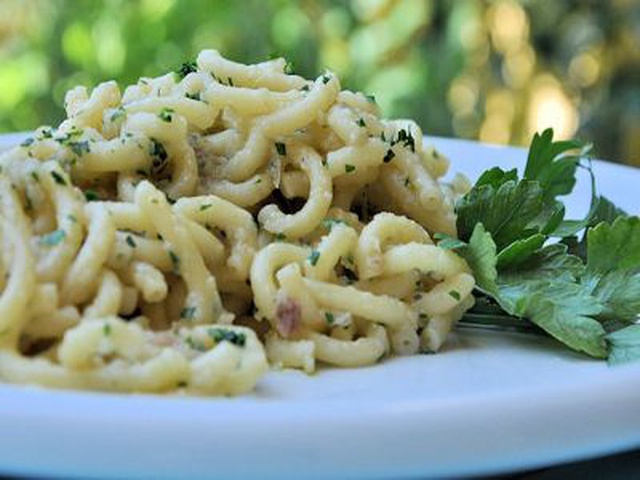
(576, 280)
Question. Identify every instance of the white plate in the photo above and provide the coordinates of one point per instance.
(488, 403)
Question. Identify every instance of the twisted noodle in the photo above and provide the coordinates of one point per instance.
(150, 221)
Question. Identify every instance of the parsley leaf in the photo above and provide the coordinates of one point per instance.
(504, 225)
(549, 163)
(613, 267)
(506, 211)
(624, 345)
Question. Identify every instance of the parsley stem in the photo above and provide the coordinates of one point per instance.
(483, 321)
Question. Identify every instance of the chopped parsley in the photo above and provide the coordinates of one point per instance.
(159, 155)
(27, 142)
(454, 294)
(195, 344)
(371, 98)
(313, 258)
(329, 223)
(106, 329)
(325, 78)
(279, 237)
(405, 138)
(188, 313)
(186, 68)
(193, 96)
(117, 114)
(59, 179)
(52, 239)
(35, 176)
(91, 195)
(79, 148)
(175, 260)
(361, 122)
(281, 148)
(328, 316)
(166, 114)
(389, 156)
(205, 206)
(288, 68)
(130, 241)
(348, 168)
(221, 335)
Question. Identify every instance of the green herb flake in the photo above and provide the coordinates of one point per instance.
(159, 156)
(35, 176)
(281, 148)
(205, 206)
(371, 98)
(117, 114)
(106, 329)
(288, 68)
(186, 68)
(313, 258)
(329, 223)
(455, 295)
(221, 335)
(193, 96)
(361, 122)
(175, 260)
(389, 156)
(195, 344)
(80, 148)
(130, 241)
(188, 313)
(166, 114)
(348, 168)
(279, 237)
(328, 316)
(27, 142)
(59, 179)
(52, 239)
(325, 79)
(91, 195)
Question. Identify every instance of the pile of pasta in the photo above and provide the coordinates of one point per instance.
(188, 232)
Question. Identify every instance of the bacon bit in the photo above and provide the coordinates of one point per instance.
(288, 313)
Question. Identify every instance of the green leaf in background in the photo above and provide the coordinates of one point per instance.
(624, 345)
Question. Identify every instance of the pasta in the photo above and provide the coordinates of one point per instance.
(184, 234)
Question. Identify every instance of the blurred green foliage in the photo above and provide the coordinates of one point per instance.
(489, 70)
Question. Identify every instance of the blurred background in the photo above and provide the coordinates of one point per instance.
(496, 71)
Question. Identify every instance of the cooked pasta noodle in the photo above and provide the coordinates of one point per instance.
(180, 235)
